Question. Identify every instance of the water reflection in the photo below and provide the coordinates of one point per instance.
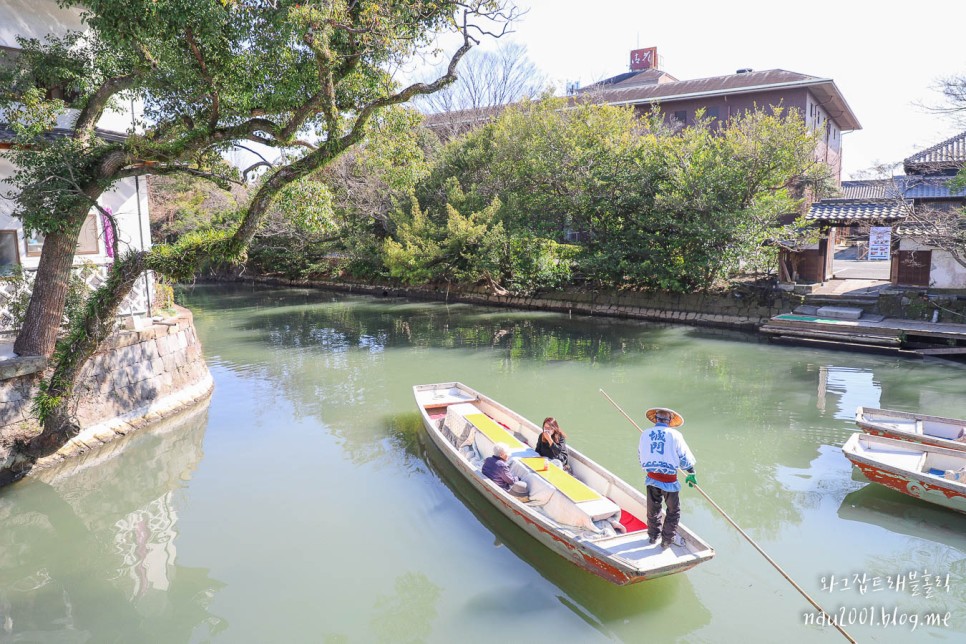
(853, 388)
(89, 546)
(333, 375)
(901, 514)
(413, 602)
(339, 324)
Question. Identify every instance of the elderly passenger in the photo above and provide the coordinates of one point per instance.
(497, 469)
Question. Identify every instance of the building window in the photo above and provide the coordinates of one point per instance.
(9, 254)
(711, 113)
(86, 242)
(681, 117)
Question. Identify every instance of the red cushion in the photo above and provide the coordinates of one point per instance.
(632, 523)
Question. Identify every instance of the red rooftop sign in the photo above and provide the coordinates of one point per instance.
(642, 59)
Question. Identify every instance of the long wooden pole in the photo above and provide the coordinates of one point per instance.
(750, 540)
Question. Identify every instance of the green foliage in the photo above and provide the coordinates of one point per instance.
(653, 209)
(163, 295)
(536, 263)
(466, 249)
(193, 253)
(307, 205)
(183, 203)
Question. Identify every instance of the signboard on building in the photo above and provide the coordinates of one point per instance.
(880, 242)
(642, 59)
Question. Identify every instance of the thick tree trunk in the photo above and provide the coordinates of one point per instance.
(42, 322)
(87, 334)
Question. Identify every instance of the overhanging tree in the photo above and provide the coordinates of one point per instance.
(301, 76)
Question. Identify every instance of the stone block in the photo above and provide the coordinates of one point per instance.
(840, 312)
(10, 393)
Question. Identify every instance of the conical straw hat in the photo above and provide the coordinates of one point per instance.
(677, 420)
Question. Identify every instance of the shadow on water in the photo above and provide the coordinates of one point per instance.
(602, 605)
(88, 546)
(901, 514)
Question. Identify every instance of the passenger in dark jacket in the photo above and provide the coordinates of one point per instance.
(496, 469)
(552, 443)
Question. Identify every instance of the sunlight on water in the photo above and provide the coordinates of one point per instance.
(305, 504)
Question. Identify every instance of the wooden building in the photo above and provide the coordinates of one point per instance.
(919, 208)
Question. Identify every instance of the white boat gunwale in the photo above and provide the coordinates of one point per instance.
(911, 426)
(591, 554)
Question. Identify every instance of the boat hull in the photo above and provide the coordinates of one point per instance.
(880, 460)
(583, 553)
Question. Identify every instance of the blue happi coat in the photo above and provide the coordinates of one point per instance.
(663, 450)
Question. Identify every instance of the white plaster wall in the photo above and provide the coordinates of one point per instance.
(944, 271)
(35, 19)
(128, 200)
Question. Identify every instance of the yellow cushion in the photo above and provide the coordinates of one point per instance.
(494, 432)
(566, 483)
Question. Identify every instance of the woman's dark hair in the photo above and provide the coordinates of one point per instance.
(554, 426)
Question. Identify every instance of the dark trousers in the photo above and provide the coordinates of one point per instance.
(655, 497)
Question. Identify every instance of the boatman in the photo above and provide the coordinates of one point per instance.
(662, 451)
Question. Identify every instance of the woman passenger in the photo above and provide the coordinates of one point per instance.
(552, 444)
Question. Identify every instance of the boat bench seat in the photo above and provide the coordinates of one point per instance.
(563, 497)
(948, 431)
(469, 424)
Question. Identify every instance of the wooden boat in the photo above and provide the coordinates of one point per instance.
(920, 428)
(573, 515)
(933, 474)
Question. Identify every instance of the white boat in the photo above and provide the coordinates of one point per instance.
(933, 474)
(919, 428)
(573, 515)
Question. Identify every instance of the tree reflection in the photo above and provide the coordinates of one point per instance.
(89, 546)
(413, 604)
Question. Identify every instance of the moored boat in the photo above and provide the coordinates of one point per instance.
(933, 474)
(919, 428)
(575, 515)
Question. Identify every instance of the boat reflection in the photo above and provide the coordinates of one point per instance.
(602, 605)
(877, 505)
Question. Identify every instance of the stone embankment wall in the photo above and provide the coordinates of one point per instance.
(746, 308)
(138, 377)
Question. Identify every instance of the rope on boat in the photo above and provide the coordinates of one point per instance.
(828, 617)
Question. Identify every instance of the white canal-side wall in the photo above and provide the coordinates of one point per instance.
(944, 272)
(137, 378)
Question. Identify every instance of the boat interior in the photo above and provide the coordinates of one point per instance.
(945, 428)
(591, 502)
(910, 457)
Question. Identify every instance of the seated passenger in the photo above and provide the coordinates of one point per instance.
(552, 444)
(497, 470)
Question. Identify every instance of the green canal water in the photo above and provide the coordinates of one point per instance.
(303, 503)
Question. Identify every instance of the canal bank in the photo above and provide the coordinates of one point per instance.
(842, 314)
(138, 377)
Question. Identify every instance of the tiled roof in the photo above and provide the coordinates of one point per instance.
(842, 210)
(459, 119)
(631, 79)
(824, 90)
(909, 186)
(950, 153)
(870, 189)
(921, 187)
(918, 229)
